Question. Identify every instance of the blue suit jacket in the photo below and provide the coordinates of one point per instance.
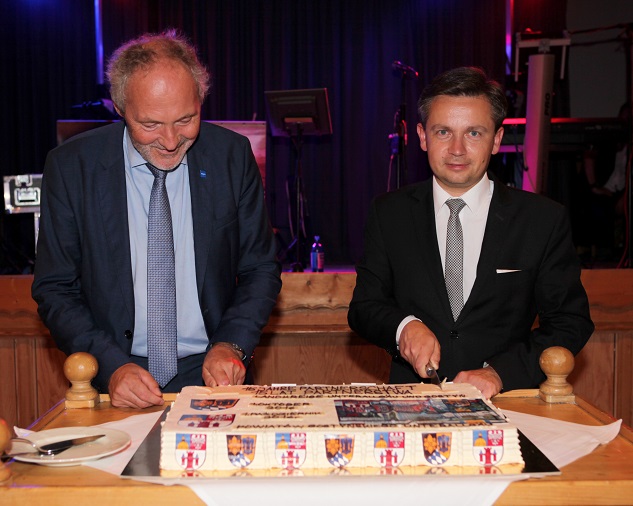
(527, 268)
(83, 277)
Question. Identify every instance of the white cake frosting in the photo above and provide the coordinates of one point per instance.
(317, 429)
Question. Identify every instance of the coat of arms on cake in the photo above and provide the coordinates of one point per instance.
(321, 429)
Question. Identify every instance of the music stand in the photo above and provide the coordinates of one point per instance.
(294, 114)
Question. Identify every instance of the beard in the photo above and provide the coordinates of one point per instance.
(155, 154)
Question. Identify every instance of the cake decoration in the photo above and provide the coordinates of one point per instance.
(344, 429)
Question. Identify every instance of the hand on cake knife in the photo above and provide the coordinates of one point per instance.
(432, 374)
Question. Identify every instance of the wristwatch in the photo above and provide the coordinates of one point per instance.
(236, 347)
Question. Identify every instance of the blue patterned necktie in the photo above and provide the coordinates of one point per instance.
(454, 264)
(162, 333)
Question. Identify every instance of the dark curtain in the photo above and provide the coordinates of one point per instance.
(250, 46)
(47, 62)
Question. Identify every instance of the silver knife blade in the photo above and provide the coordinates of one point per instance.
(432, 374)
(58, 446)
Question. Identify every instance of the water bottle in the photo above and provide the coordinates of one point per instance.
(317, 255)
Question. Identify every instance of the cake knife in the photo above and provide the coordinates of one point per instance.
(57, 446)
(432, 374)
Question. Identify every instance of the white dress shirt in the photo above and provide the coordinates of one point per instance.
(473, 218)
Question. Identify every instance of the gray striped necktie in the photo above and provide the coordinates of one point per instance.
(162, 332)
(454, 265)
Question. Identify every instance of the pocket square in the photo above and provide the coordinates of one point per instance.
(506, 271)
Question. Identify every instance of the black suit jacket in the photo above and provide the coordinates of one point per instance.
(401, 274)
(83, 276)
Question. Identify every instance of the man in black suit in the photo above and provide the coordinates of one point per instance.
(518, 258)
(92, 276)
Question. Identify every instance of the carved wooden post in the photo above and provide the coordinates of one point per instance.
(80, 368)
(5, 436)
(557, 363)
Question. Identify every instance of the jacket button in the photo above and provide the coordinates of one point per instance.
(128, 334)
(454, 334)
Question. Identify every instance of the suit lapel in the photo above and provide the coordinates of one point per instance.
(494, 234)
(423, 217)
(202, 201)
(110, 181)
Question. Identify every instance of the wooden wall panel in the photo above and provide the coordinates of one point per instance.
(594, 371)
(51, 382)
(610, 293)
(624, 378)
(26, 384)
(18, 311)
(333, 358)
(8, 387)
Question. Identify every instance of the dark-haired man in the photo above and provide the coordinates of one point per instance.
(457, 268)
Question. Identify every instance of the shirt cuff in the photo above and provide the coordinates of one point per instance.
(401, 326)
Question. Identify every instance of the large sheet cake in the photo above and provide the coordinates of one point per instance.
(320, 429)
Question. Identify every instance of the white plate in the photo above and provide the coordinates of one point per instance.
(113, 441)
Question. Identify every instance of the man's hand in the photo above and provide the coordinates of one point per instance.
(131, 386)
(485, 379)
(419, 346)
(223, 366)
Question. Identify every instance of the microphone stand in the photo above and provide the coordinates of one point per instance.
(295, 114)
(401, 129)
(297, 140)
(398, 142)
(398, 139)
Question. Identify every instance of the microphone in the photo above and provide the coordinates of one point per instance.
(408, 72)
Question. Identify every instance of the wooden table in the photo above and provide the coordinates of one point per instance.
(603, 477)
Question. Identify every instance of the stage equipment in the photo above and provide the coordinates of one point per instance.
(398, 139)
(255, 131)
(626, 38)
(538, 115)
(538, 112)
(22, 194)
(294, 114)
(543, 45)
(567, 134)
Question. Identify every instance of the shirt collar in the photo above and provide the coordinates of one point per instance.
(475, 198)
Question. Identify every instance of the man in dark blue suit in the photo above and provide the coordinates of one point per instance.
(518, 262)
(91, 275)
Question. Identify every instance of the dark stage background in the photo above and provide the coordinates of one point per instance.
(49, 65)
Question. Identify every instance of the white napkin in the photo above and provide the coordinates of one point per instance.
(137, 426)
(563, 442)
(22, 432)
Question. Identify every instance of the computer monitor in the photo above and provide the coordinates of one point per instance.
(291, 112)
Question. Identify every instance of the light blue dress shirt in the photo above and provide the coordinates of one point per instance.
(192, 338)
